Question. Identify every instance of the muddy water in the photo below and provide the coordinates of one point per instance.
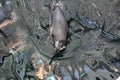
(91, 53)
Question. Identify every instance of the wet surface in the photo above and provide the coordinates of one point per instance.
(90, 55)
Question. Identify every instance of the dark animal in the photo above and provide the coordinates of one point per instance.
(59, 29)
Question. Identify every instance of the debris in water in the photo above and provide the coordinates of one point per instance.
(2, 56)
(7, 21)
(42, 72)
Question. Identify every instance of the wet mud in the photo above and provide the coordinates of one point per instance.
(93, 50)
